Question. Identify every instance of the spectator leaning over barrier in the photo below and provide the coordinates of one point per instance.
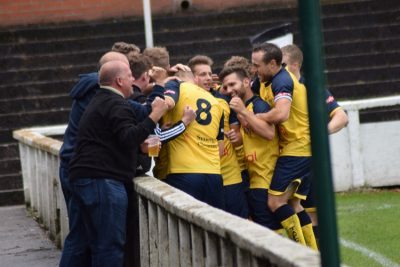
(292, 56)
(140, 101)
(140, 66)
(104, 161)
(81, 94)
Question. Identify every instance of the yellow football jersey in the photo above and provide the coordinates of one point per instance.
(230, 170)
(196, 150)
(260, 154)
(294, 134)
(239, 150)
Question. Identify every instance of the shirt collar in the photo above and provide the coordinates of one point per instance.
(112, 89)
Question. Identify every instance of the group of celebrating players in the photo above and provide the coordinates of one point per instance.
(239, 141)
(245, 146)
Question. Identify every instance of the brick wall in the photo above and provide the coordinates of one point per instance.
(14, 12)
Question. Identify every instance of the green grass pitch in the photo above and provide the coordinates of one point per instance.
(369, 227)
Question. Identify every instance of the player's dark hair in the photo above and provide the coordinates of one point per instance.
(240, 72)
(271, 52)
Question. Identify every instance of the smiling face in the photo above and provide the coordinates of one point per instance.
(234, 86)
(265, 71)
(203, 76)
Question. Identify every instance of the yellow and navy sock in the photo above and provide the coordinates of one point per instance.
(306, 227)
(290, 222)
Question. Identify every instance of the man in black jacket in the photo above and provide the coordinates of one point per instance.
(104, 161)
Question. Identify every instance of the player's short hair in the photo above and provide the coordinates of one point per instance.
(238, 61)
(139, 64)
(200, 60)
(159, 56)
(271, 51)
(294, 53)
(184, 75)
(125, 48)
(228, 70)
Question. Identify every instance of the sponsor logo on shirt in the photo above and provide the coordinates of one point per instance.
(251, 157)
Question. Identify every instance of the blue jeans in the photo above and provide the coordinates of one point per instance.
(65, 184)
(98, 228)
(76, 234)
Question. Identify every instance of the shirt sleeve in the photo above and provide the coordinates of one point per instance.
(172, 90)
(260, 106)
(331, 103)
(282, 86)
(171, 133)
(233, 118)
(141, 111)
(125, 126)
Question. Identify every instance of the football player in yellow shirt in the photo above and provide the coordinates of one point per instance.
(234, 189)
(290, 182)
(261, 149)
(194, 156)
(293, 58)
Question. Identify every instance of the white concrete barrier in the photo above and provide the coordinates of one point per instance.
(42, 190)
(176, 229)
(365, 154)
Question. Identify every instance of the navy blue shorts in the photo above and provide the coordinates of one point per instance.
(245, 179)
(259, 210)
(291, 170)
(236, 200)
(309, 203)
(204, 187)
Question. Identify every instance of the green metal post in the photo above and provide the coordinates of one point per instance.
(309, 14)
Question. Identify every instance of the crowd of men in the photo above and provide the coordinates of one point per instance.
(238, 141)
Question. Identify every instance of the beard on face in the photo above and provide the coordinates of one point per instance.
(241, 93)
(264, 77)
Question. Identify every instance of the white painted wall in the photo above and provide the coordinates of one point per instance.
(381, 152)
(341, 161)
(366, 154)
